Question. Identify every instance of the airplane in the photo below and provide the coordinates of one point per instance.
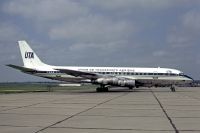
(105, 77)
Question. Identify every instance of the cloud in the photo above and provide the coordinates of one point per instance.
(107, 47)
(124, 4)
(191, 20)
(95, 33)
(179, 39)
(73, 21)
(92, 29)
(45, 10)
(9, 32)
(159, 53)
(103, 32)
(186, 33)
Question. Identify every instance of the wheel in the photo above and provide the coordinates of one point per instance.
(130, 88)
(173, 89)
(102, 89)
(98, 89)
(105, 89)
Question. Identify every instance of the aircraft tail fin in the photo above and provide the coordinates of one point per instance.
(29, 57)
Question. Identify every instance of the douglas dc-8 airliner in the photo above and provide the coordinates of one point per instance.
(103, 76)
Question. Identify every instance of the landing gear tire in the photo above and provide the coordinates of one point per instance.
(173, 89)
(98, 89)
(102, 89)
(130, 88)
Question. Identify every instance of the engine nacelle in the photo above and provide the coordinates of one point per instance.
(116, 82)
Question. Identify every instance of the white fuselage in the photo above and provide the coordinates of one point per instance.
(154, 76)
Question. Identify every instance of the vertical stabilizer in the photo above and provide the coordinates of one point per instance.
(30, 59)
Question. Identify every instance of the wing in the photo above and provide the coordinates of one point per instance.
(75, 73)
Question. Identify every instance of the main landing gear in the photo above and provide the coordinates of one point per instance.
(102, 88)
(130, 88)
(173, 89)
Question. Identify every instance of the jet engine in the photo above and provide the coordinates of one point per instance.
(116, 82)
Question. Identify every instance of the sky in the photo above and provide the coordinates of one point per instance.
(132, 33)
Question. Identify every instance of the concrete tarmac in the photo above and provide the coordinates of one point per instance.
(145, 110)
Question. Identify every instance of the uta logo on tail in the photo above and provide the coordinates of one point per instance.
(29, 55)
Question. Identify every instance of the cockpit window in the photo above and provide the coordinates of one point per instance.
(169, 71)
(181, 73)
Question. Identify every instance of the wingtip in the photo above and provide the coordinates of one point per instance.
(8, 65)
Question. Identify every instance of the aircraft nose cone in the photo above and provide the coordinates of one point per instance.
(190, 79)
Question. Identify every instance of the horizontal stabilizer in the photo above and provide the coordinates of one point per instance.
(24, 69)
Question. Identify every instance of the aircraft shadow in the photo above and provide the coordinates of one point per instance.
(123, 90)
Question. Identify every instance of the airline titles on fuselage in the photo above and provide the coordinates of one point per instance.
(107, 70)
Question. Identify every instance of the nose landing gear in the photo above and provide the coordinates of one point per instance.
(173, 89)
